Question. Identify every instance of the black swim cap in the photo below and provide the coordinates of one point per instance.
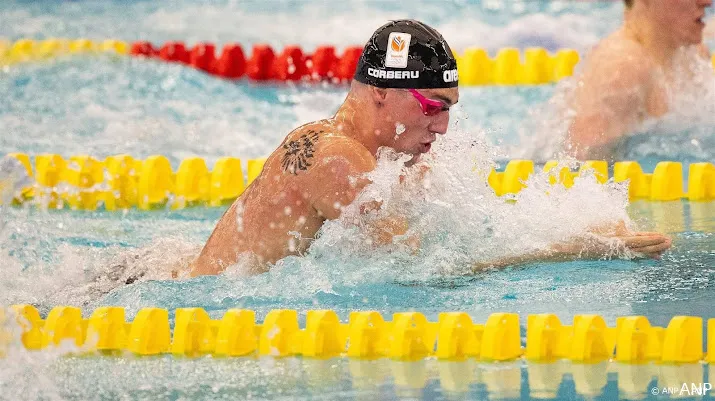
(407, 54)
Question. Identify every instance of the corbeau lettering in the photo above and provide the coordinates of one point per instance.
(374, 72)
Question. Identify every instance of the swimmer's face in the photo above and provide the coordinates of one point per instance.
(684, 19)
(411, 131)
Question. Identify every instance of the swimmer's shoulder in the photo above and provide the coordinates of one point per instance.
(619, 49)
(320, 143)
(328, 138)
(619, 61)
(338, 149)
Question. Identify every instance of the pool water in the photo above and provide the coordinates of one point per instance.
(106, 105)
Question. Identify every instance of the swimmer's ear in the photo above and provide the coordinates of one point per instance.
(378, 95)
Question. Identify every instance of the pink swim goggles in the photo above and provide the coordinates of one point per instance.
(430, 107)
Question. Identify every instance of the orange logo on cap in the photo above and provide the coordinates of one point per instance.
(398, 44)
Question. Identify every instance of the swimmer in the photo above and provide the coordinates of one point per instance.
(404, 86)
(624, 80)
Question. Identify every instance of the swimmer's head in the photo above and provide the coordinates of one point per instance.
(678, 21)
(407, 54)
(409, 73)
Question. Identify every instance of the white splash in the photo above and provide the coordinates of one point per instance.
(457, 217)
(399, 129)
(87, 274)
(13, 180)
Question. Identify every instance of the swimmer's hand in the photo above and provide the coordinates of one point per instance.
(643, 244)
(608, 239)
(602, 242)
(386, 230)
(649, 244)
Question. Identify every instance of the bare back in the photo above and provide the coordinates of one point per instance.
(305, 181)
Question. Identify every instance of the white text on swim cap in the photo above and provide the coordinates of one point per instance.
(450, 76)
(374, 72)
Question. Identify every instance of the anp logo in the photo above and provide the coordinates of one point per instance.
(398, 44)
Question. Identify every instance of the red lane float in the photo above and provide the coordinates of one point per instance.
(348, 63)
(142, 48)
(232, 63)
(202, 57)
(174, 52)
(292, 64)
(323, 62)
(260, 65)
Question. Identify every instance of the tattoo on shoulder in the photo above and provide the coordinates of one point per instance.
(299, 152)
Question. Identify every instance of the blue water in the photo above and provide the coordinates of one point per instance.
(282, 22)
(102, 105)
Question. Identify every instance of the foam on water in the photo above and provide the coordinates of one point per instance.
(457, 217)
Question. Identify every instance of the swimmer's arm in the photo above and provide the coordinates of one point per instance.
(644, 244)
(556, 253)
(216, 249)
(608, 106)
(534, 257)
